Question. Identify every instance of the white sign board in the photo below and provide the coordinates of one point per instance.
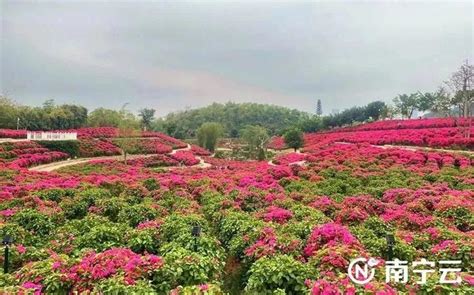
(40, 135)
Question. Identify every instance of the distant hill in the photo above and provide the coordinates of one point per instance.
(233, 116)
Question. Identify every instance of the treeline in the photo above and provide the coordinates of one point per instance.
(233, 117)
(50, 116)
(47, 117)
(454, 97)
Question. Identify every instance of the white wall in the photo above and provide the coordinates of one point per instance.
(31, 135)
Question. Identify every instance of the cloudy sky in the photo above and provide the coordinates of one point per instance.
(171, 55)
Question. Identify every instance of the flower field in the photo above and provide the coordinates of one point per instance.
(101, 133)
(26, 153)
(240, 226)
(434, 133)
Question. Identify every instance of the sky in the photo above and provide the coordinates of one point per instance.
(174, 55)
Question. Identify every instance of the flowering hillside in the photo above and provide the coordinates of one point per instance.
(434, 133)
(107, 226)
(101, 132)
(27, 153)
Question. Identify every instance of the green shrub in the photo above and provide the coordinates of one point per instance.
(111, 208)
(269, 274)
(91, 195)
(185, 268)
(102, 237)
(151, 184)
(116, 285)
(52, 280)
(136, 214)
(34, 221)
(144, 240)
(238, 230)
(70, 147)
(55, 194)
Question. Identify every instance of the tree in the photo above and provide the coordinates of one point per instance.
(375, 109)
(208, 134)
(147, 116)
(79, 115)
(461, 82)
(319, 108)
(8, 113)
(233, 117)
(294, 138)
(439, 101)
(311, 124)
(406, 104)
(127, 133)
(256, 138)
(102, 117)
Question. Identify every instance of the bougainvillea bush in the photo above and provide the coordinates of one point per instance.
(435, 133)
(238, 227)
(27, 153)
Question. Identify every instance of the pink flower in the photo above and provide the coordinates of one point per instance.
(7, 212)
(21, 249)
(331, 234)
(277, 214)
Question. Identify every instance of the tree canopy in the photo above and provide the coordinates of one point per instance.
(256, 138)
(233, 117)
(294, 138)
(208, 134)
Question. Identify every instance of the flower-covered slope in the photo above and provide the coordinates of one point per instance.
(435, 133)
(114, 227)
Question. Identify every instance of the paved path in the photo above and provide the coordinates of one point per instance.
(57, 165)
(413, 148)
(2, 140)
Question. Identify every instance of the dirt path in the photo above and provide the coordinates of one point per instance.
(57, 165)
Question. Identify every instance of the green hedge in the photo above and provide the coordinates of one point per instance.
(70, 147)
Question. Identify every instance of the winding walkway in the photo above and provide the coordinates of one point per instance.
(57, 165)
(413, 148)
(202, 164)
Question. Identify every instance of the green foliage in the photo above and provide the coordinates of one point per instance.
(102, 236)
(234, 227)
(208, 134)
(151, 184)
(53, 281)
(256, 138)
(116, 285)
(9, 113)
(144, 240)
(278, 272)
(47, 117)
(69, 147)
(294, 138)
(102, 117)
(34, 221)
(186, 268)
(55, 194)
(135, 214)
(147, 116)
(232, 116)
(304, 219)
(373, 110)
(407, 104)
